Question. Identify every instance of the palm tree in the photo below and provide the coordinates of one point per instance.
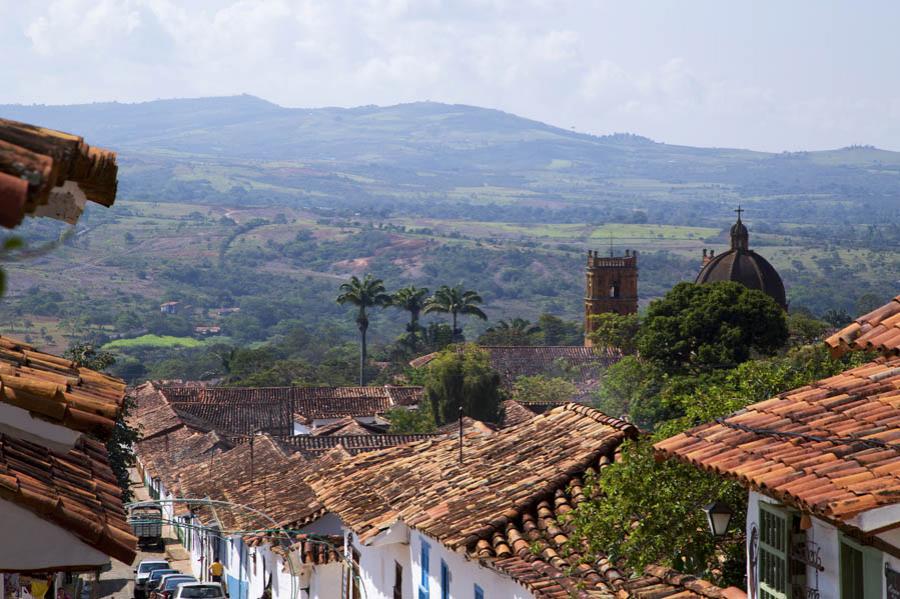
(363, 294)
(455, 301)
(517, 331)
(411, 299)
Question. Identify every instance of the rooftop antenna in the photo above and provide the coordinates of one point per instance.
(610, 244)
(460, 434)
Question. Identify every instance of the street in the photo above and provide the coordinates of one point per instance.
(118, 582)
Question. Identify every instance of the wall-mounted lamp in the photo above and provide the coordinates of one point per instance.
(718, 514)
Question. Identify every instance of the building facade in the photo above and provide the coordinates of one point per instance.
(612, 287)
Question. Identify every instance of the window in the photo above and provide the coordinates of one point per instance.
(398, 581)
(861, 571)
(356, 573)
(445, 580)
(773, 542)
(479, 594)
(424, 584)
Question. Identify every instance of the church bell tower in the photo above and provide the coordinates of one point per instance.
(612, 286)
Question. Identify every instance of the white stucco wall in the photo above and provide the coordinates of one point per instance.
(377, 565)
(824, 540)
(29, 542)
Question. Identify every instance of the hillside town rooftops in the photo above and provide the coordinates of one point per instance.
(49, 173)
(879, 330)
(831, 448)
(75, 490)
(502, 483)
(260, 475)
(314, 445)
(56, 390)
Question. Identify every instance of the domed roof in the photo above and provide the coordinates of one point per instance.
(743, 265)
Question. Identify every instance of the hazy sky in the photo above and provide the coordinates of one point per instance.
(763, 74)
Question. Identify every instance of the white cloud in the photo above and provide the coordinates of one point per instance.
(599, 65)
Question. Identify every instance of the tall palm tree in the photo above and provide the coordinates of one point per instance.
(363, 294)
(455, 301)
(517, 331)
(411, 299)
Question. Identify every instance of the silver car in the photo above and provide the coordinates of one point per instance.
(142, 573)
(199, 590)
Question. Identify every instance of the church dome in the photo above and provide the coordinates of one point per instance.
(744, 266)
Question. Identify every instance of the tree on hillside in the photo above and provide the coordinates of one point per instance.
(123, 437)
(455, 301)
(411, 299)
(542, 388)
(461, 376)
(696, 328)
(517, 331)
(366, 293)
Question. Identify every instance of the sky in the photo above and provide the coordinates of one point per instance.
(760, 74)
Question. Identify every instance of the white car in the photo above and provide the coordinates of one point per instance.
(199, 590)
(142, 572)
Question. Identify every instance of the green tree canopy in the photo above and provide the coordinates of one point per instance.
(455, 301)
(618, 331)
(539, 388)
(696, 328)
(461, 376)
(517, 331)
(411, 299)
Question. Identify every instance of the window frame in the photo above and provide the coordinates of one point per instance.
(445, 580)
(774, 553)
(872, 567)
(425, 567)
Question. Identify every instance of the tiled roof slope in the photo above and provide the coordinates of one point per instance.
(313, 446)
(34, 161)
(261, 476)
(165, 455)
(498, 504)
(55, 389)
(76, 490)
(831, 448)
(879, 330)
(515, 413)
(273, 409)
(346, 426)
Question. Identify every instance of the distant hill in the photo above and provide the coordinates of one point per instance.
(427, 150)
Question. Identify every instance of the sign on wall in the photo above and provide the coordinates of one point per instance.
(891, 583)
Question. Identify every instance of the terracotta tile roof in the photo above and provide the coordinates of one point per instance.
(515, 413)
(165, 455)
(54, 389)
(42, 170)
(346, 426)
(879, 330)
(273, 409)
(831, 448)
(75, 490)
(313, 446)
(261, 475)
(498, 505)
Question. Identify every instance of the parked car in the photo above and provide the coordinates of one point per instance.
(154, 578)
(199, 590)
(146, 522)
(142, 573)
(166, 588)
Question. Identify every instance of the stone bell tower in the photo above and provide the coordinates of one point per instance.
(612, 286)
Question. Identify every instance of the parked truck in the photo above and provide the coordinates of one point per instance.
(146, 522)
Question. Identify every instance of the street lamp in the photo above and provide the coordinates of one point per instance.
(718, 514)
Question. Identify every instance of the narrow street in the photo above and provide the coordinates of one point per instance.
(118, 583)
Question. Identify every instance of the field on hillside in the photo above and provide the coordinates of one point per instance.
(278, 263)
